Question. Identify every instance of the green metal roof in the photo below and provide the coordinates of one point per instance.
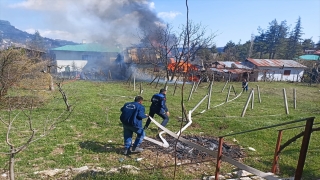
(90, 47)
(309, 57)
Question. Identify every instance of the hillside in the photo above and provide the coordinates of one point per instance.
(10, 35)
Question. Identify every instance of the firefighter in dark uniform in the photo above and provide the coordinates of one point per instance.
(158, 106)
(131, 118)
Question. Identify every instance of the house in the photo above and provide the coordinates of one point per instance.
(230, 70)
(90, 56)
(275, 70)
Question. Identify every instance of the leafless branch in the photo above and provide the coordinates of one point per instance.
(4, 122)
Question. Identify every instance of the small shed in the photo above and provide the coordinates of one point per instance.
(275, 70)
(230, 70)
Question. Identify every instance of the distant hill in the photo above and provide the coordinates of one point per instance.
(9, 35)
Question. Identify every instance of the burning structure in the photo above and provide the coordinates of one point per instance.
(88, 61)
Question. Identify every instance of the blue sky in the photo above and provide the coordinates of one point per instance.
(230, 20)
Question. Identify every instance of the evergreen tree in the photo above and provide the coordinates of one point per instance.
(293, 46)
(243, 51)
(275, 37)
(318, 45)
(230, 51)
(307, 44)
(259, 45)
(37, 42)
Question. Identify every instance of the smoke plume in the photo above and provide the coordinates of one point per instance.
(107, 21)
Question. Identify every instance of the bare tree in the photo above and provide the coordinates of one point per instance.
(18, 135)
(167, 45)
(160, 41)
(13, 64)
(191, 40)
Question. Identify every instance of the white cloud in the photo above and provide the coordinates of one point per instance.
(40, 5)
(152, 5)
(168, 15)
(54, 34)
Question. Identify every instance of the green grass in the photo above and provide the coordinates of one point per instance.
(92, 135)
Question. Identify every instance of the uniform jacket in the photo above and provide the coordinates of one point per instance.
(244, 84)
(132, 114)
(159, 103)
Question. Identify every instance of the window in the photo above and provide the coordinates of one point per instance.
(287, 72)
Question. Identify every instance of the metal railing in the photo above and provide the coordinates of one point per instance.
(303, 150)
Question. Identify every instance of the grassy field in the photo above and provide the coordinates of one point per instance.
(92, 135)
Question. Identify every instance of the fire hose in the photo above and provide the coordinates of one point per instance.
(269, 176)
(164, 143)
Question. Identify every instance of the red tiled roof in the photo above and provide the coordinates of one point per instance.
(275, 63)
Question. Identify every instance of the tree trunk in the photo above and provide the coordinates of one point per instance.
(51, 87)
(11, 164)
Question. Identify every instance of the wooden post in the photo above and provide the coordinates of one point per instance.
(285, 101)
(224, 86)
(228, 94)
(252, 98)
(276, 153)
(191, 91)
(195, 89)
(210, 92)
(219, 157)
(235, 93)
(141, 90)
(259, 97)
(110, 75)
(246, 105)
(304, 149)
(295, 98)
(134, 82)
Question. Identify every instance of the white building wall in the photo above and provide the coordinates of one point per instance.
(277, 74)
(77, 64)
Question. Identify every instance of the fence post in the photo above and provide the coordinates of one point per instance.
(134, 82)
(141, 90)
(246, 106)
(276, 155)
(191, 91)
(227, 99)
(295, 98)
(224, 86)
(219, 156)
(304, 149)
(252, 98)
(195, 89)
(259, 97)
(210, 92)
(285, 100)
(235, 93)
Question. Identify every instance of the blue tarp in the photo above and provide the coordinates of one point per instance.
(309, 57)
